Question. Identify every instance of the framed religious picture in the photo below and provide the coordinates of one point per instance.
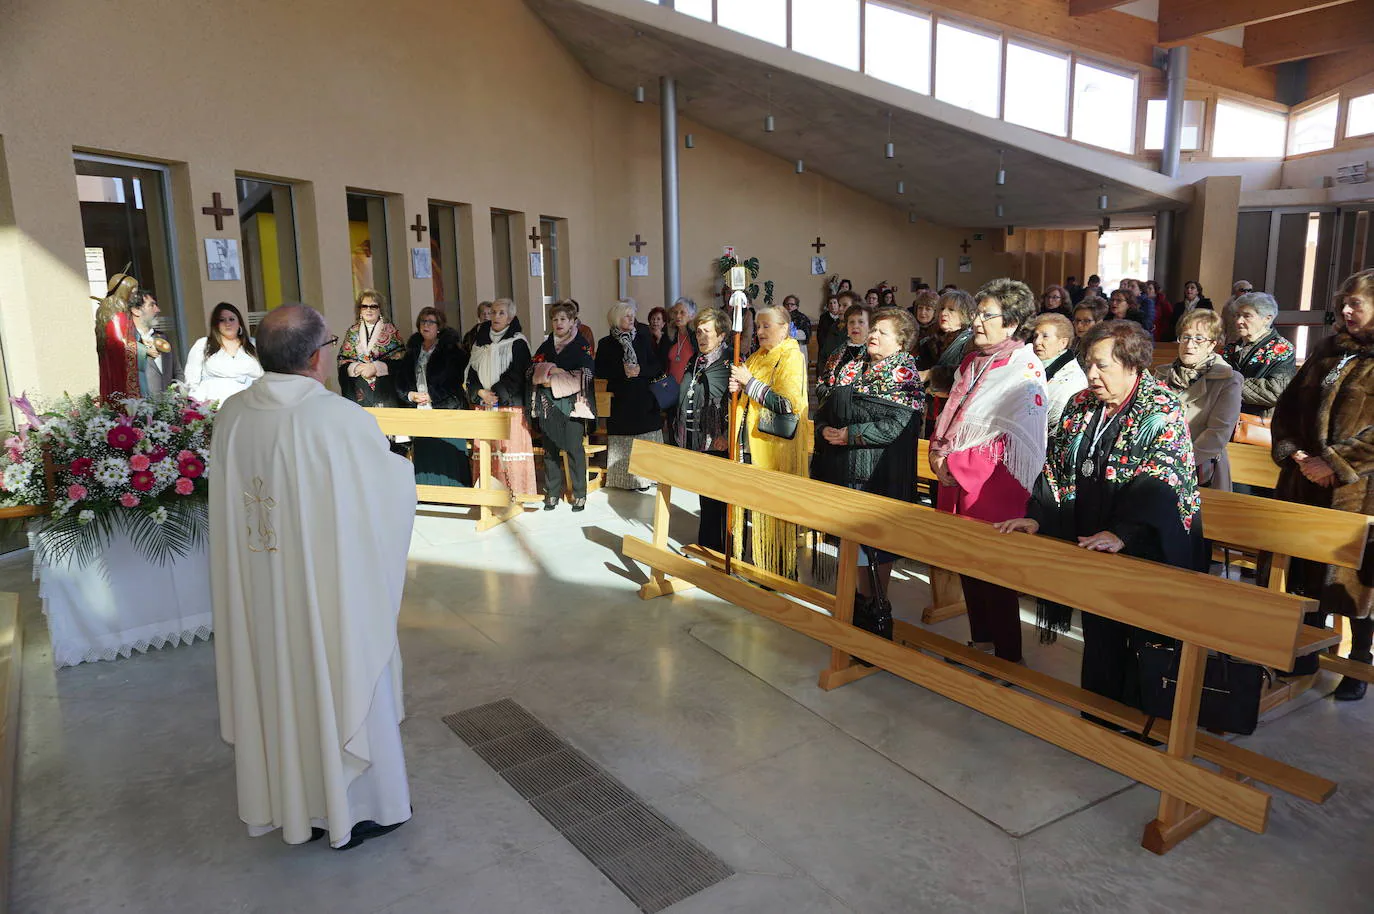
(818, 267)
(222, 259)
(639, 264)
(421, 263)
(536, 263)
(965, 263)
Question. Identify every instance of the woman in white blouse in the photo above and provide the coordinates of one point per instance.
(225, 362)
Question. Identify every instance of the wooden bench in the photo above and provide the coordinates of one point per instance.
(1261, 626)
(11, 665)
(495, 505)
(1252, 465)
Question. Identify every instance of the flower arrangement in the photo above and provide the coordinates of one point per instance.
(134, 464)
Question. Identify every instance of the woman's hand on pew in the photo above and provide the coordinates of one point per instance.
(1018, 525)
(1106, 541)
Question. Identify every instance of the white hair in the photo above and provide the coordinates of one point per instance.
(621, 308)
(1262, 303)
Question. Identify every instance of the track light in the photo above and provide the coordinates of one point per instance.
(911, 217)
(801, 166)
(890, 150)
(639, 95)
(768, 123)
(768, 117)
(1001, 211)
(691, 142)
(1102, 197)
(901, 187)
(1001, 172)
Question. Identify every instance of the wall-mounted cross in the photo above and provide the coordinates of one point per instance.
(637, 244)
(819, 244)
(219, 211)
(534, 238)
(965, 246)
(419, 228)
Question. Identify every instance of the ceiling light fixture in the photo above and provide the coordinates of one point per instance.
(639, 95)
(768, 116)
(890, 150)
(801, 166)
(1000, 211)
(691, 142)
(901, 187)
(1001, 172)
(1102, 197)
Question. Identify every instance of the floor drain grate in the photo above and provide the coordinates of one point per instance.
(654, 862)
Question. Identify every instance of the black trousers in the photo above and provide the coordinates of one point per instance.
(711, 533)
(994, 614)
(553, 469)
(1110, 665)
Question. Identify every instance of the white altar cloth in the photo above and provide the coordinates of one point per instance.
(122, 603)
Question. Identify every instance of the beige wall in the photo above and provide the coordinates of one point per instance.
(471, 102)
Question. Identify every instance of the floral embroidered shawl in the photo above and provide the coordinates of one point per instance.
(386, 345)
(1270, 349)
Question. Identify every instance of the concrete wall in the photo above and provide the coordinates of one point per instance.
(1207, 243)
(473, 103)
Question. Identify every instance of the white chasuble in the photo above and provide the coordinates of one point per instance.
(310, 523)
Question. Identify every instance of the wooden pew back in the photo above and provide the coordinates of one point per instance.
(1251, 465)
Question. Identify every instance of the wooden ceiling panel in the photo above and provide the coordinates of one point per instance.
(1088, 7)
(1182, 19)
(1327, 31)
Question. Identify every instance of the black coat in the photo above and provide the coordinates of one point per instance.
(703, 406)
(510, 387)
(444, 372)
(634, 411)
(554, 414)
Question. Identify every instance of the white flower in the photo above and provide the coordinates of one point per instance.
(158, 432)
(160, 515)
(97, 428)
(57, 428)
(61, 507)
(164, 473)
(85, 517)
(112, 472)
(17, 476)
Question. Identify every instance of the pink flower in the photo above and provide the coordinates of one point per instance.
(16, 455)
(157, 454)
(185, 486)
(123, 437)
(185, 455)
(129, 500)
(190, 415)
(139, 462)
(81, 466)
(192, 466)
(76, 491)
(143, 481)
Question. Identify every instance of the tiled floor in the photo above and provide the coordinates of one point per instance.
(878, 797)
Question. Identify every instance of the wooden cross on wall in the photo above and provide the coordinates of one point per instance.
(534, 238)
(219, 211)
(637, 243)
(819, 244)
(965, 246)
(419, 228)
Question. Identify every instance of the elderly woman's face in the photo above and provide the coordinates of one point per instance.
(681, 316)
(708, 337)
(857, 326)
(1118, 307)
(832, 305)
(989, 328)
(1054, 300)
(771, 331)
(1191, 292)
(483, 314)
(370, 311)
(1358, 313)
(563, 323)
(500, 317)
(882, 340)
(925, 313)
(1048, 342)
(791, 302)
(872, 299)
(656, 322)
(1083, 320)
(1250, 324)
(1194, 344)
(626, 321)
(951, 319)
(1109, 380)
(429, 328)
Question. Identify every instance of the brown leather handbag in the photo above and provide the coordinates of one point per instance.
(1252, 429)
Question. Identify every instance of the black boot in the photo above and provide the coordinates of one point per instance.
(1361, 641)
(1350, 689)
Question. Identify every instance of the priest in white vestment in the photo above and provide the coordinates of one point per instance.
(310, 523)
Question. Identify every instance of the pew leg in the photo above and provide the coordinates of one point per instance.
(843, 668)
(946, 597)
(659, 584)
(488, 517)
(1177, 820)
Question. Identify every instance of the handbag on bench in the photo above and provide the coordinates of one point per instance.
(1231, 689)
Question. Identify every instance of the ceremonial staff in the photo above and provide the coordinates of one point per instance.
(738, 300)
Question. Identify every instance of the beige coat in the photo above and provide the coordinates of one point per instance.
(1212, 406)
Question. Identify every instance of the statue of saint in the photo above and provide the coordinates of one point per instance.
(116, 339)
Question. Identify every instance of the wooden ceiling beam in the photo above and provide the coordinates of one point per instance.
(1183, 19)
(1328, 31)
(1088, 7)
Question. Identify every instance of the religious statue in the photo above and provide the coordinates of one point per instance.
(116, 339)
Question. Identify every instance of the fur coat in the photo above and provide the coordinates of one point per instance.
(1328, 411)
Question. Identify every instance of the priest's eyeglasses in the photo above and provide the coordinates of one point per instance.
(332, 341)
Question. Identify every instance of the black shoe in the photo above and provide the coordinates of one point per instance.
(1350, 689)
(316, 834)
(550, 504)
(366, 830)
(579, 504)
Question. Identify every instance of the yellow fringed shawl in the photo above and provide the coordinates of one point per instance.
(773, 542)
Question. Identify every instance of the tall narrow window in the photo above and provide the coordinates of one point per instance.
(1314, 129)
(550, 245)
(267, 222)
(827, 29)
(367, 245)
(1194, 110)
(1244, 131)
(1104, 107)
(897, 47)
(502, 267)
(1359, 115)
(968, 67)
(765, 20)
(444, 261)
(1037, 88)
(124, 220)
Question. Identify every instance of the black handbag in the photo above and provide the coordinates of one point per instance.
(873, 614)
(778, 424)
(665, 390)
(1231, 689)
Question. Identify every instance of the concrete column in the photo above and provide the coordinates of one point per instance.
(1207, 236)
(672, 238)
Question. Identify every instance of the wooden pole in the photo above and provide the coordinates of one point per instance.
(734, 452)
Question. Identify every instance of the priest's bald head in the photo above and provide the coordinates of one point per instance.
(292, 340)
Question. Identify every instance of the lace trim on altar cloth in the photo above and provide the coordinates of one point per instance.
(197, 628)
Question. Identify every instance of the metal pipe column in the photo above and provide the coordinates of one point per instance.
(1176, 68)
(672, 236)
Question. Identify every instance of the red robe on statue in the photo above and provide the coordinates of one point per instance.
(117, 351)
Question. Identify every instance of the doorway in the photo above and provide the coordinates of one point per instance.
(367, 246)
